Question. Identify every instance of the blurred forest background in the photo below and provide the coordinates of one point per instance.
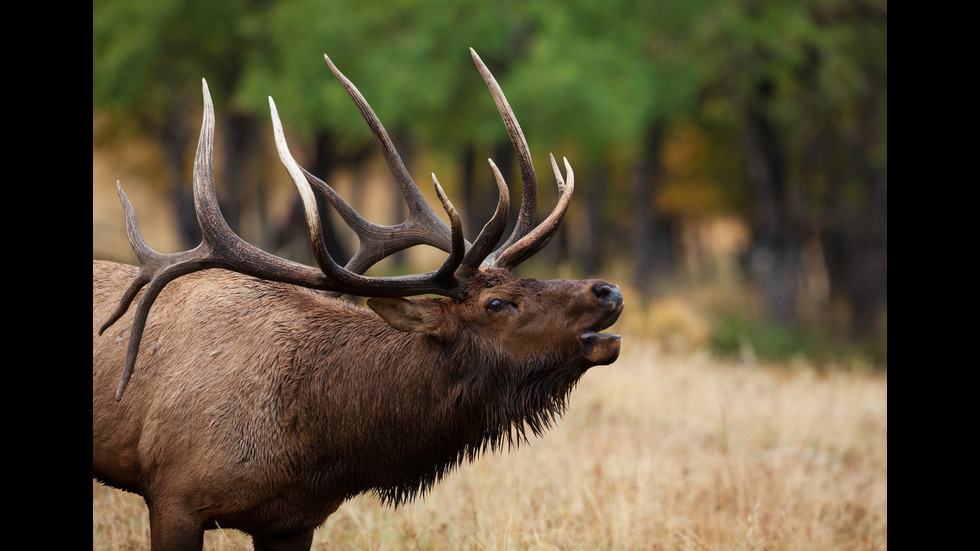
(730, 157)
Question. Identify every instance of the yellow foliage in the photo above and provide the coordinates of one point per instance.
(687, 186)
(675, 324)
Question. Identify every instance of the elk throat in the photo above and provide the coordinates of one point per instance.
(492, 411)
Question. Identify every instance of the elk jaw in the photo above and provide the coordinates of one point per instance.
(602, 348)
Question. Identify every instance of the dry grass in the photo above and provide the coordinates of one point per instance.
(655, 452)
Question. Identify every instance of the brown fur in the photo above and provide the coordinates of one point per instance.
(263, 406)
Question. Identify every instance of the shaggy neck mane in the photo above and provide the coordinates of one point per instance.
(494, 406)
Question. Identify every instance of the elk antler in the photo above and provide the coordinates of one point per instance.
(221, 248)
(422, 225)
(377, 242)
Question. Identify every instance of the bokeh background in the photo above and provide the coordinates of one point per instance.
(730, 157)
(731, 176)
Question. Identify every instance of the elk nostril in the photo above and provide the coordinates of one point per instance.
(608, 292)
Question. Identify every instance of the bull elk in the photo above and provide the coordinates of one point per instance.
(262, 401)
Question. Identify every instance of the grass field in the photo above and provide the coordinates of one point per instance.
(656, 452)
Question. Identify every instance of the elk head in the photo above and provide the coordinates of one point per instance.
(476, 277)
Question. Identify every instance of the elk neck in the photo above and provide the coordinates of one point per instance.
(396, 411)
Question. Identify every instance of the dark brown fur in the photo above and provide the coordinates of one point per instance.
(263, 406)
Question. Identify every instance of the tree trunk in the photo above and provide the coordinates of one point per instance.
(587, 242)
(174, 139)
(869, 281)
(868, 284)
(854, 229)
(651, 232)
(855, 244)
(323, 165)
(777, 244)
(243, 201)
(479, 188)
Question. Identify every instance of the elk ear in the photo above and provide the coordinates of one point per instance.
(412, 316)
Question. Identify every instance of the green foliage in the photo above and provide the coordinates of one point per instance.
(607, 71)
(738, 335)
(410, 60)
(587, 76)
(818, 70)
(150, 56)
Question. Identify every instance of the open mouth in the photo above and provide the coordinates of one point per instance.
(605, 322)
(602, 348)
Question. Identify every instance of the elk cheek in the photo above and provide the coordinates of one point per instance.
(600, 348)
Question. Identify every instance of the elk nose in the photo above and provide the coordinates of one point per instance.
(607, 292)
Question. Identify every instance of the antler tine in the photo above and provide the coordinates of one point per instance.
(491, 232)
(144, 253)
(440, 281)
(527, 215)
(534, 241)
(423, 226)
(526, 239)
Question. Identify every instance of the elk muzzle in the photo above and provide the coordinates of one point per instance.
(603, 348)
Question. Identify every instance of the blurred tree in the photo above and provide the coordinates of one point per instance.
(801, 86)
(148, 59)
(605, 80)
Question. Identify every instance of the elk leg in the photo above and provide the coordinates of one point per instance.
(297, 541)
(174, 529)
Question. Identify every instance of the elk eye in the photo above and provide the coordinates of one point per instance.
(495, 305)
